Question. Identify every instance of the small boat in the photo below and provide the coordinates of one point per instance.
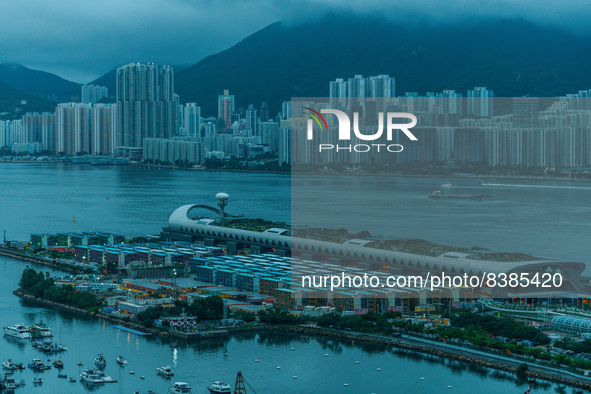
(100, 361)
(80, 363)
(121, 361)
(38, 381)
(9, 365)
(179, 388)
(142, 377)
(165, 371)
(58, 363)
(9, 381)
(62, 376)
(48, 347)
(72, 380)
(38, 365)
(219, 388)
(132, 372)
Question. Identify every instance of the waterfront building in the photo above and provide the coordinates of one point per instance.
(103, 129)
(40, 128)
(173, 151)
(73, 128)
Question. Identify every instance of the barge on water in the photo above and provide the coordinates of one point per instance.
(439, 195)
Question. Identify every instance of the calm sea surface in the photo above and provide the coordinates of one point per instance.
(543, 218)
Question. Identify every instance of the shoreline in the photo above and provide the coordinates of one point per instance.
(315, 172)
(457, 354)
(37, 260)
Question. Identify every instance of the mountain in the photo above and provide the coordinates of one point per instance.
(109, 79)
(11, 102)
(39, 83)
(512, 57)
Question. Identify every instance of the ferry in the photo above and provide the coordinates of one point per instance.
(165, 370)
(18, 331)
(179, 388)
(220, 388)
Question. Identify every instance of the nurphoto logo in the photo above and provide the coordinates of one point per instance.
(345, 130)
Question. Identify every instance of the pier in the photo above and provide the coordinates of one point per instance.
(200, 334)
(132, 331)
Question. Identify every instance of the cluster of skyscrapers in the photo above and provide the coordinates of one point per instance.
(146, 121)
(476, 129)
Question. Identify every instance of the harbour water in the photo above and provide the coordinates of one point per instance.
(137, 201)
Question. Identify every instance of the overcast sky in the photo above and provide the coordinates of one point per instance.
(81, 40)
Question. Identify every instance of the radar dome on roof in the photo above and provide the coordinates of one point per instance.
(222, 196)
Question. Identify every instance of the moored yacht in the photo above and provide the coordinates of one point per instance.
(179, 388)
(40, 329)
(91, 376)
(18, 331)
(165, 370)
(220, 388)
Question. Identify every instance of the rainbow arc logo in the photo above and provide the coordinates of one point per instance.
(315, 115)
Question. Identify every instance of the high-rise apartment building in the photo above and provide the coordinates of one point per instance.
(91, 94)
(103, 126)
(40, 128)
(480, 101)
(72, 128)
(146, 104)
(192, 120)
(226, 107)
(252, 121)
